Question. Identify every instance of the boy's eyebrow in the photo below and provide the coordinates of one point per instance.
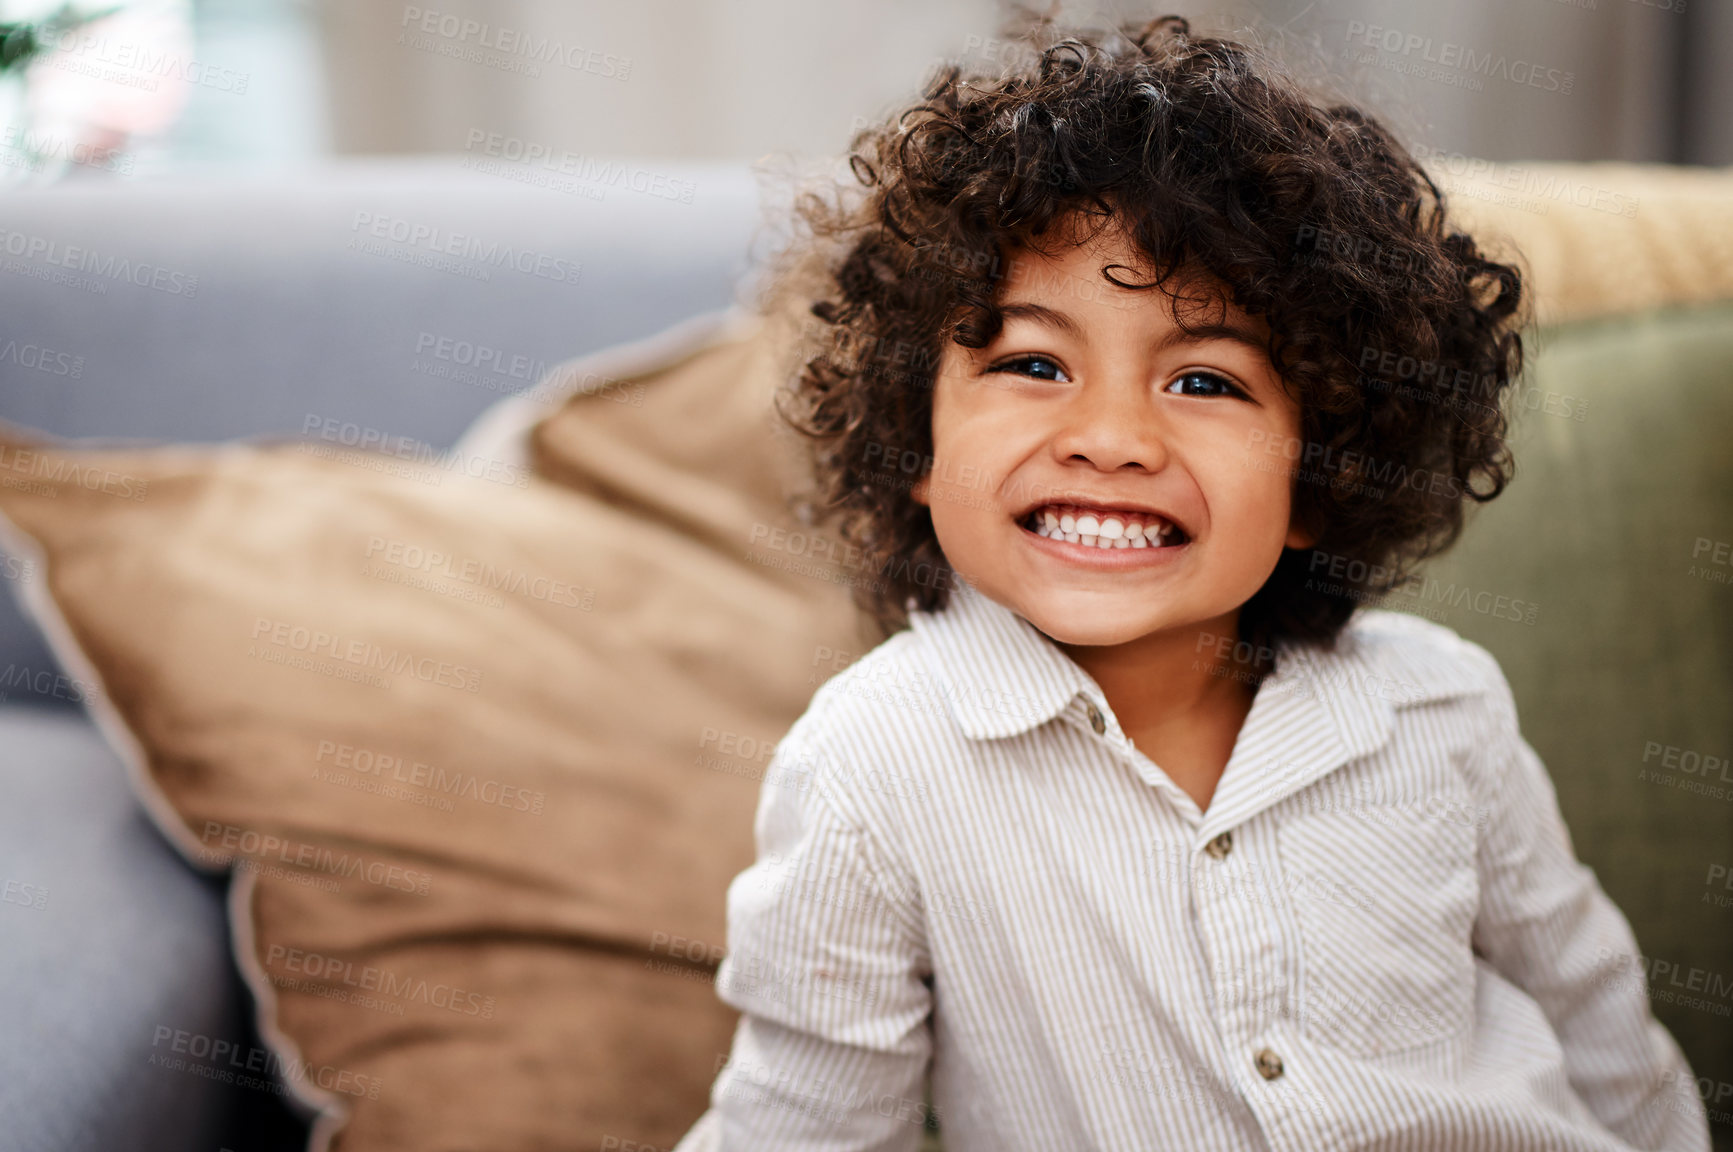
(1041, 314)
(1238, 333)
(1053, 318)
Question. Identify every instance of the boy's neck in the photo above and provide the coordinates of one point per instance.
(1180, 704)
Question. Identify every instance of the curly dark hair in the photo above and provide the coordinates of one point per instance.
(1214, 161)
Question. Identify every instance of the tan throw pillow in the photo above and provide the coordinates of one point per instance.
(1599, 239)
(486, 751)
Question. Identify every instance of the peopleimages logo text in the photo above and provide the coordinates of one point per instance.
(77, 258)
(365, 654)
(434, 240)
(512, 42)
(1461, 57)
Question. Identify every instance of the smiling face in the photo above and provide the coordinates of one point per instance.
(1092, 398)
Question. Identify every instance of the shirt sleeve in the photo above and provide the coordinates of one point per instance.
(828, 965)
(1546, 925)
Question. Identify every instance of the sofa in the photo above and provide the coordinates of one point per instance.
(371, 294)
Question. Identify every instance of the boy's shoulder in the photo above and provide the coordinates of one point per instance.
(873, 734)
(1419, 659)
(915, 694)
(893, 681)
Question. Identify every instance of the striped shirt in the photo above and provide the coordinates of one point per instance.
(1375, 937)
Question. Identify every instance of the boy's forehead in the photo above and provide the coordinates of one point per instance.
(1068, 270)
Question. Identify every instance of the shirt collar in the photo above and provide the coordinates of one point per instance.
(1320, 707)
(1001, 675)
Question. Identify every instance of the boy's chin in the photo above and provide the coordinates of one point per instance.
(1090, 625)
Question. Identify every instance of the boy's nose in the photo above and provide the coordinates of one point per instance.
(1111, 428)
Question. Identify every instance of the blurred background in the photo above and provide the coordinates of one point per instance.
(124, 89)
(370, 220)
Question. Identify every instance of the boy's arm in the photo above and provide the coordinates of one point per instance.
(1546, 925)
(826, 959)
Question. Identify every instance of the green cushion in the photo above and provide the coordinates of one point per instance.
(1618, 530)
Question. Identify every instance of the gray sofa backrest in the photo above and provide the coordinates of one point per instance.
(398, 296)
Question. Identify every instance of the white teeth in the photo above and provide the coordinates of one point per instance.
(1113, 526)
(1117, 530)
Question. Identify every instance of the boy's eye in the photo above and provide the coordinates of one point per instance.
(1203, 384)
(1038, 367)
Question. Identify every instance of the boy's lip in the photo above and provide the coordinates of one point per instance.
(1105, 559)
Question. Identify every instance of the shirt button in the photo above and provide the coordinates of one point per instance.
(1220, 846)
(1268, 1063)
(1096, 721)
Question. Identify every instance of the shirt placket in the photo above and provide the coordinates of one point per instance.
(1244, 925)
(1242, 918)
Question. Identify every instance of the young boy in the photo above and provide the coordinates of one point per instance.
(1141, 835)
